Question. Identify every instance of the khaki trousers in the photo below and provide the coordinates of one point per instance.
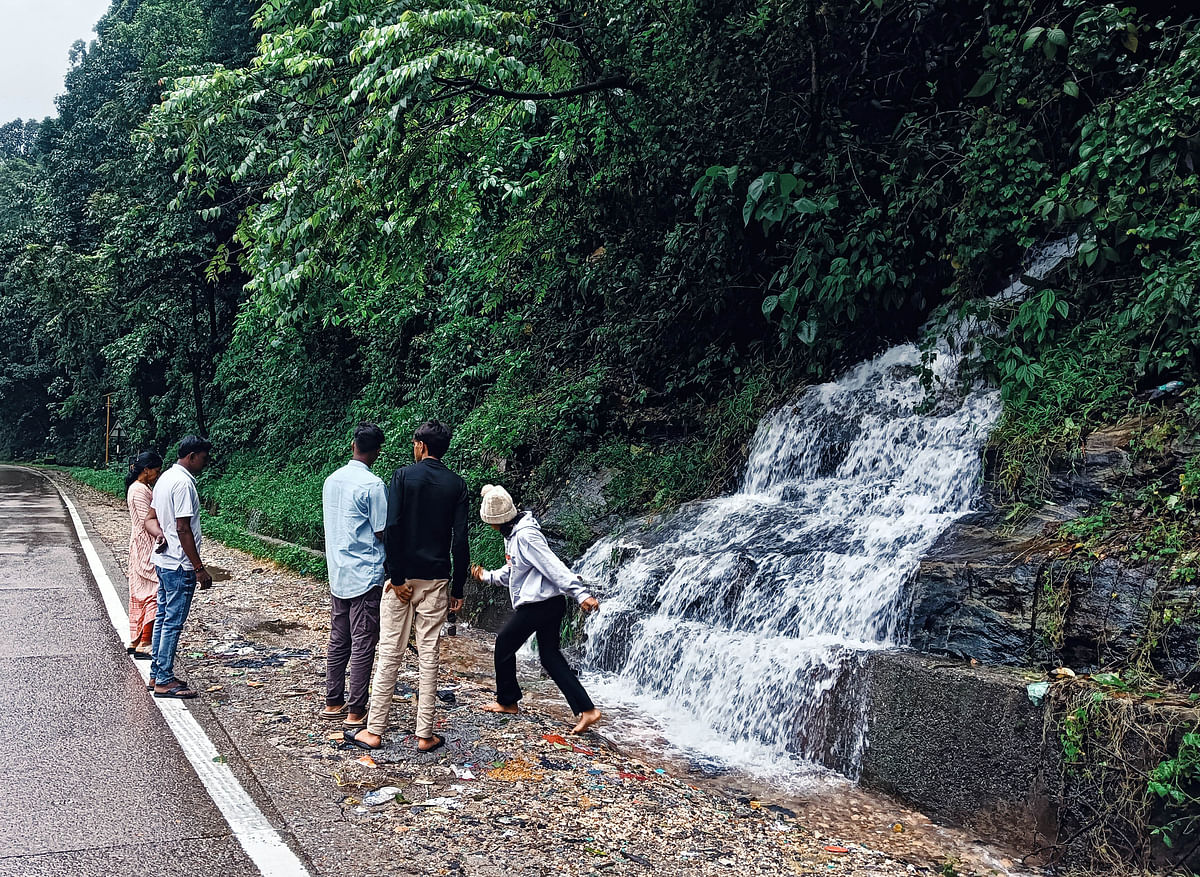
(424, 613)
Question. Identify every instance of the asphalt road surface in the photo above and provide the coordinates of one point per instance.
(91, 779)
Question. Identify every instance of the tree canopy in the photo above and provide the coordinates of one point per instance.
(585, 234)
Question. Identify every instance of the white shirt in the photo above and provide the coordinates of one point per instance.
(175, 496)
(354, 502)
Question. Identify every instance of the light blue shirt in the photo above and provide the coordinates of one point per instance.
(355, 506)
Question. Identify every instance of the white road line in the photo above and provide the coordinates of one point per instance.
(249, 825)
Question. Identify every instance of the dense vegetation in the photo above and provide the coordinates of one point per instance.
(587, 235)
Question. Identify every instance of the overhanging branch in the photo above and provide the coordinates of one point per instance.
(467, 85)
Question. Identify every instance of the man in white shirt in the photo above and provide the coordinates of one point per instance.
(354, 502)
(176, 504)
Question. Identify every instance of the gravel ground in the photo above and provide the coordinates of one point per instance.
(507, 795)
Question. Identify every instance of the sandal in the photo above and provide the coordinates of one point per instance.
(356, 725)
(333, 712)
(178, 690)
(352, 737)
(142, 656)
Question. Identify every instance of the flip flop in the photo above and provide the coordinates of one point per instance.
(441, 741)
(179, 691)
(142, 656)
(356, 726)
(352, 737)
(331, 712)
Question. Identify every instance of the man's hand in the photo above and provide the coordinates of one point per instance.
(403, 592)
(456, 604)
(203, 579)
(477, 572)
(591, 604)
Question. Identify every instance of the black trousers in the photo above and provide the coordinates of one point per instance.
(544, 619)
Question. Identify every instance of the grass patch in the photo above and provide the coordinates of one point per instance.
(1086, 384)
(223, 528)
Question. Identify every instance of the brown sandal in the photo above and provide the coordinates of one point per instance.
(177, 690)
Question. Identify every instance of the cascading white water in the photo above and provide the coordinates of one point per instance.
(734, 621)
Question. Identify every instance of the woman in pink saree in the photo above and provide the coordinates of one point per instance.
(144, 534)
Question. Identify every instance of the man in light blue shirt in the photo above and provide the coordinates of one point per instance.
(355, 508)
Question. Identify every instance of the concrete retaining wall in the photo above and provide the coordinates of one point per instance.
(962, 743)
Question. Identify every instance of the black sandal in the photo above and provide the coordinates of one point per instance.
(352, 737)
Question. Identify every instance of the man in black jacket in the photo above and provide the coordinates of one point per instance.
(427, 563)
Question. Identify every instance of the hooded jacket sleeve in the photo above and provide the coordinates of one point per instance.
(537, 550)
(498, 576)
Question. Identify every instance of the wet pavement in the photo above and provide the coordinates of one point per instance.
(92, 780)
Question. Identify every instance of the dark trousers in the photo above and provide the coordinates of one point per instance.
(353, 635)
(544, 619)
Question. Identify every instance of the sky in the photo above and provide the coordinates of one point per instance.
(35, 40)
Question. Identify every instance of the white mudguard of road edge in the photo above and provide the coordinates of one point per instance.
(260, 840)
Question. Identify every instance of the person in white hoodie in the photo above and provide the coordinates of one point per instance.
(538, 583)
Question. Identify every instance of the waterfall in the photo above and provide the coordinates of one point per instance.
(738, 623)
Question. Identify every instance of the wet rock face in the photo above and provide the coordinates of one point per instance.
(1012, 596)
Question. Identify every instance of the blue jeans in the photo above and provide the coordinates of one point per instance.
(176, 587)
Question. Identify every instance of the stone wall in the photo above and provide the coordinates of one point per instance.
(964, 744)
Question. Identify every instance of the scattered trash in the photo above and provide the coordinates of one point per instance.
(515, 771)
(637, 776)
(561, 742)
(367, 760)
(841, 851)
(1170, 388)
(212, 688)
(447, 696)
(1037, 691)
(898, 827)
(462, 772)
(220, 759)
(1063, 673)
(384, 795)
(449, 803)
(254, 685)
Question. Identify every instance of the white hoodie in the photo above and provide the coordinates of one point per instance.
(533, 572)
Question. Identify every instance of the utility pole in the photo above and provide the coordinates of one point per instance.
(107, 425)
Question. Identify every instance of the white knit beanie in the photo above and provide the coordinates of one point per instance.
(497, 505)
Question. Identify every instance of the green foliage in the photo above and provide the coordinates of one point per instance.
(604, 235)
(1131, 772)
(1081, 382)
(110, 481)
(1176, 780)
(232, 533)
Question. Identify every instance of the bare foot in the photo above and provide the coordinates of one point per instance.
(501, 708)
(586, 720)
(428, 744)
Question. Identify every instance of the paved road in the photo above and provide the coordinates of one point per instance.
(91, 779)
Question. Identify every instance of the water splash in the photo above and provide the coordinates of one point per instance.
(738, 623)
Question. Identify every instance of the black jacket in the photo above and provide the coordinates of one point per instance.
(427, 525)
